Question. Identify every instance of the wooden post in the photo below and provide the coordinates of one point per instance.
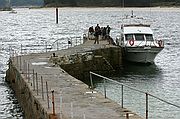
(57, 15)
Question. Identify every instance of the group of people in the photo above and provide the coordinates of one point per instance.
(99, 32)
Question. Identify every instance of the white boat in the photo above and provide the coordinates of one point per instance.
(138, 43)
(13, 12)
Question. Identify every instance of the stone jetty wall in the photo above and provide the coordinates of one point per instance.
(31, 106)
(102, 61)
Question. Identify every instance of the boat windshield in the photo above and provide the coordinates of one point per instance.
(149, 37)
(129, 36)
(139, 37)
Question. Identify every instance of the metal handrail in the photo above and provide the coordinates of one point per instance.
(62, 43)
(132, 88)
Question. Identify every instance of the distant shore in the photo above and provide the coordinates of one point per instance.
(160, 4)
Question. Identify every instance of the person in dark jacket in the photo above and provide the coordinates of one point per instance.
(97, 34)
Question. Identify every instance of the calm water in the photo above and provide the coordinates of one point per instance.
(36, 26)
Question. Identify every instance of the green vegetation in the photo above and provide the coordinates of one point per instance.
(27, 2)
(90, 3)
(2, 3)
(8, 3)
(111, 3)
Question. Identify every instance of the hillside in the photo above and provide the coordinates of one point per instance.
(6, 3)
(90, 3)
(111, 3)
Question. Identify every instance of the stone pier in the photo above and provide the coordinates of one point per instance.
(46, 89)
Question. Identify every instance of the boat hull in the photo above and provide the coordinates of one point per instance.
(141, 54)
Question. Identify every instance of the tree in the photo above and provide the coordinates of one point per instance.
(2, 3)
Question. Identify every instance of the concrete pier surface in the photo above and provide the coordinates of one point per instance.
(72, 98)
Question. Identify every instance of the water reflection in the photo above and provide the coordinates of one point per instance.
(147, 78)
(140, 69)
(9, 107)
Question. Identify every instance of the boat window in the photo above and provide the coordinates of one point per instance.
(139, 37)
(129, 36)
(149, 37)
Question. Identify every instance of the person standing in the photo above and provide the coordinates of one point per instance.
(108, 30)
(97, 33)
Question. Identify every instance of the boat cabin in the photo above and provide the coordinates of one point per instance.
(137, 35)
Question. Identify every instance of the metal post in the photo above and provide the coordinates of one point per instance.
(47, 94)
(68, 43)
(56, 15)
(71, 42)
(84, 116)
(61, 107)
(37, 83)
(20, 62)
(10, 50)
(122, 96)
(76, 41)
(21, 49)
(53, 104)
(72, 115)
(33, 81)
(24, 68)
(104, 84)
(146, 105)
(46, 46)
(92, 87)
(127, 115)
(13, 55)
(57, 46)
(17, 62)
(42, 88)
(28, 73)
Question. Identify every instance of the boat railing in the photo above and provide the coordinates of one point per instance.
(123, 86)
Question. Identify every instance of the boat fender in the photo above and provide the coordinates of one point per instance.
(160, 43)
(131, 42)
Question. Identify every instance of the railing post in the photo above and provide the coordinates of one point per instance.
(76, 41)
(20, 63)
(10, 50)
(42, 88)
(17, 61)
(72, 114)
(68, 42)
(53, 104)
(92, 87)
(61, 107)
(28, 72)
(46, 46)
(127, 115)
(33, 81)
(104, 84)
(47, 94)
(37, 83)
(71, 42)
(146, 105)
(122, 96)
(24, 67)
(57, 46)
(21, 49)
